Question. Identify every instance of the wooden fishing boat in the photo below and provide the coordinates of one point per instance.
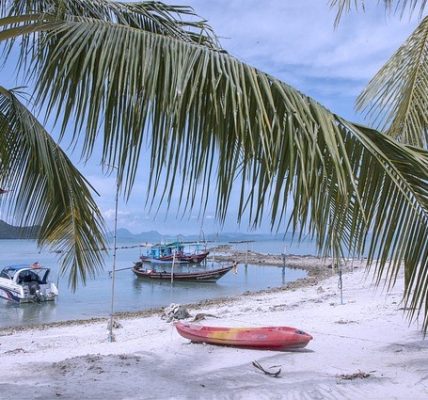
(209, 275)
(173, 252)
(264, 338)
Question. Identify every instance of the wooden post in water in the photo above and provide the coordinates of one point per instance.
(284, 255)
(172, 268)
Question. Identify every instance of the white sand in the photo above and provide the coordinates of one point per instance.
(149, 360)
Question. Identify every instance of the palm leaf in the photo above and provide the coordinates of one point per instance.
(175, 21)
(345, 6)
(226, 125)
(153, 16)
(397, 6)
(396, 98)
(48, 191)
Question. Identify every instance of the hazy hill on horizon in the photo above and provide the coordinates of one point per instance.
(8, 231)
(155, 236)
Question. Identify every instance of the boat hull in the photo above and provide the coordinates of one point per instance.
(18, 295)
(199, 276)
(280, 338)
(10, 294)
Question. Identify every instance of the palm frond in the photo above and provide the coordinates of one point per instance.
(180, 22)
(226, 125)
(395, 100)
(395, 6)
(345, 6)
(47, 190)
(403, 6)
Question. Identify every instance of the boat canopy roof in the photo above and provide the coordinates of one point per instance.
(172, 245)
(176, 245)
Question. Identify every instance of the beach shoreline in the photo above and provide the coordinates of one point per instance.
(364, 348)
(317, 268)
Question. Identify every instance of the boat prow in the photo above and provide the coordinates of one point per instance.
(280, 338)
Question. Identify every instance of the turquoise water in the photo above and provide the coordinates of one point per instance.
(131, 292)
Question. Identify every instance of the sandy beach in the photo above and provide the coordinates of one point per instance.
(364, 348)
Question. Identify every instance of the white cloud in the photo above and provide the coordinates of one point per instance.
(110, 213)
(296, 40)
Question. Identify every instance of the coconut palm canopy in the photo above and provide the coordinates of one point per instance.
(124, 73)
(395, 100)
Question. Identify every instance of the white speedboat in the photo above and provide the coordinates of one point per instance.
(26, 284)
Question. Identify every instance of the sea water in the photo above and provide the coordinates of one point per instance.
(132, 293)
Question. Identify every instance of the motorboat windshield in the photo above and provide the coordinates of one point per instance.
(24, 274)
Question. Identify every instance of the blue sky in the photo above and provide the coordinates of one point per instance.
(296, 42)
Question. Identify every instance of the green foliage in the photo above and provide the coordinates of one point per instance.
(396, 98)
(47, 190)
(223, 124)
(15, 232)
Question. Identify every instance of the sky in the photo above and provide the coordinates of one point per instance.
(294, 41)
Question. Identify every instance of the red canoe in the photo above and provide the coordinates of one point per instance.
(264, 338)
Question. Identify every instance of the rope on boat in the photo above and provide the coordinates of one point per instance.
(120, 269)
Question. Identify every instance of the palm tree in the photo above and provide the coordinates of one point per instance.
(120, 69)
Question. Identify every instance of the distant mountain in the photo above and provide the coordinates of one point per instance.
(151, 236)
(124, 235)
(14, 232)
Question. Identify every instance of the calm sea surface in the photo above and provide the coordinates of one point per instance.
(132, 293)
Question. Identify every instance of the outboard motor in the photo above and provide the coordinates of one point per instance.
(34, 288)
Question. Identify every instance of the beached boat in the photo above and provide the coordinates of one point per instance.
(25, 284)
(169, 252)
(264, 338)
(208, 275)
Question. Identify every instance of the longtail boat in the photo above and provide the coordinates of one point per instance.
(169, 252)
(209, 275)
(264, 338)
